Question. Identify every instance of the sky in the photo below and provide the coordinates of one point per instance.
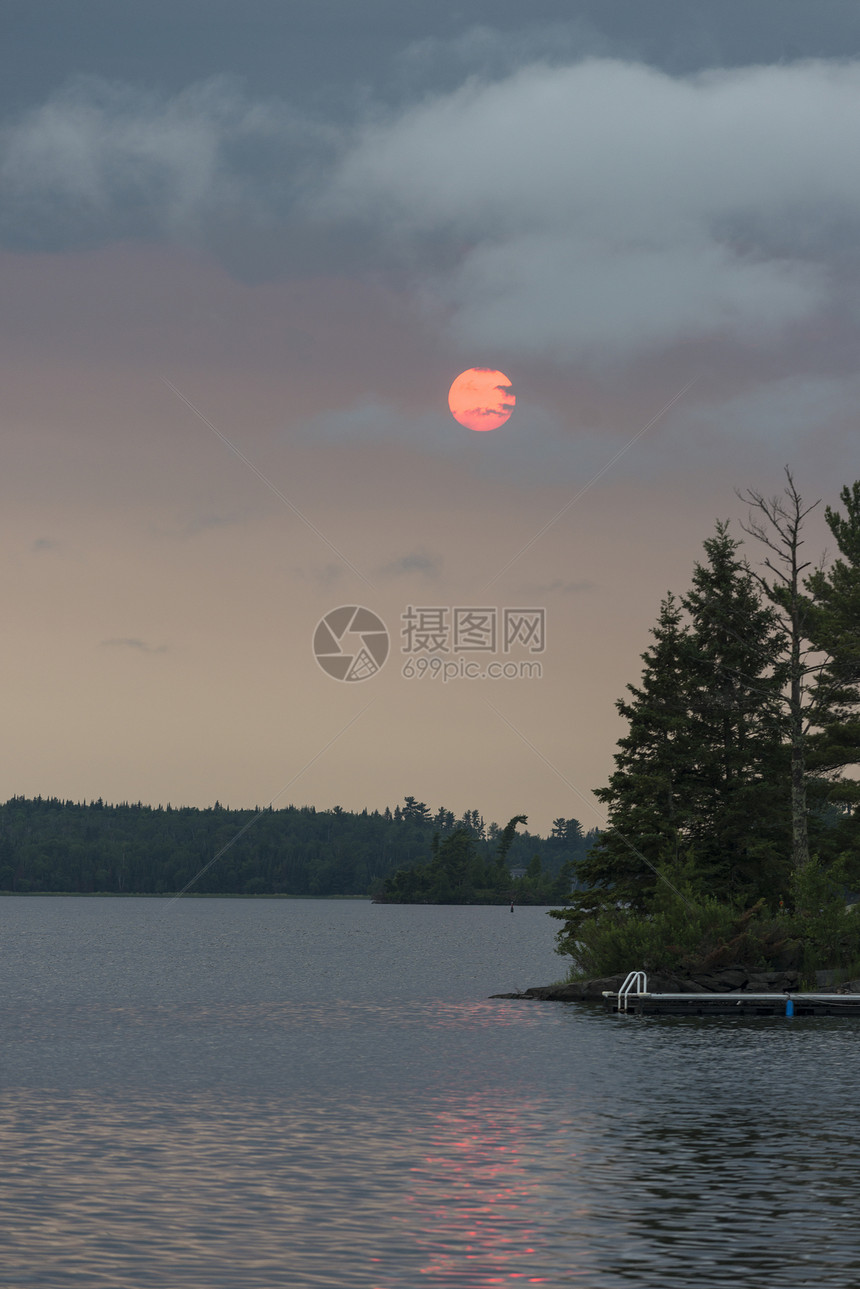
(245, 250)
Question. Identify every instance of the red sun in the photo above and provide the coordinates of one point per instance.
(481, 398)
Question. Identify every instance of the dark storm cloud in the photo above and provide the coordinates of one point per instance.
(606, 209)
(567, 207)
(100, 161)
(324, 54)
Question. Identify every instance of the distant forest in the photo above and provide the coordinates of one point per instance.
(68, 847)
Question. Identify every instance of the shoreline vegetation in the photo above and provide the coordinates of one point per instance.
(732, 841)
(172, 895)
(732, 844)
(49, 846)
(459, 873)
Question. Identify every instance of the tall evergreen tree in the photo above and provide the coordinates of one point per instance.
(836, 631)
(646, 797)
(738, 772)
(700, 773)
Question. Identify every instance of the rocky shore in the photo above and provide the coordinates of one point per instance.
(729, 980)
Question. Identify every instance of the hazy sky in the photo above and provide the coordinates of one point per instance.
(287, 227)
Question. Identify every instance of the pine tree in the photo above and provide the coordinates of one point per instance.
(647, 797)
(701, 775)
(836, 632)
(738, 772)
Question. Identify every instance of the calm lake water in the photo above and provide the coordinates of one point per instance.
(260, 1093)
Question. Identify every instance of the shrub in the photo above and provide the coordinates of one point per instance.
(683, 932)
(680, 931)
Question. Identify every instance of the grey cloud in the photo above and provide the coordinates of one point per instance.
(373, 420)
(548, 295)
(205, 523)
(323, 575)
(537, 445)
(131, 642)
(808, 420)
(331, 52)
(786, 414)
(105, 160)
(429, 566)
(790, 412)
(197, 524)
(491, 52)
(596, 211)
(607, 209)
(560, 587)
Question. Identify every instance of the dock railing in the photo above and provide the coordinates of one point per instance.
(636, 980)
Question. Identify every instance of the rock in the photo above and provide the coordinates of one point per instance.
(663, 983)
(580, 991)
(790, 956)
(592, 991)
(727, 981)
(772, 982)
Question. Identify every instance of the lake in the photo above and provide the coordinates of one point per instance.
(261, 1093)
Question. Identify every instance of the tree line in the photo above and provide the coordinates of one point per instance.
(735, 786)
(459, 871)
(49, 845)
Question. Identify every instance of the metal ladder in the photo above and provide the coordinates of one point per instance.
(635, 980)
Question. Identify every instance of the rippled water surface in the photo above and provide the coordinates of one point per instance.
(256, 1093)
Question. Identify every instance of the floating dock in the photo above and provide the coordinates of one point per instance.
(634, 998)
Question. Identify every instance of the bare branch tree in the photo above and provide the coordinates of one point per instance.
(777, 522)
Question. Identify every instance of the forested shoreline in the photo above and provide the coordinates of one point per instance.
(63, 847)
(733, 812)
(733, 829)
(460, 871)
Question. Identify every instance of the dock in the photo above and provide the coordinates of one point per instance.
(634, 998)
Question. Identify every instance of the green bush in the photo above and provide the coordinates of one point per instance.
(826, 926)
(683, 932)
(681, 939)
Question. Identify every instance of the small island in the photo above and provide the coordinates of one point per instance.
(458, 873)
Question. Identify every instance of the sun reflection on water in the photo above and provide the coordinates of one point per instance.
(255, 1193)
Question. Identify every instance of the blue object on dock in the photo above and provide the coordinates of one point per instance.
(789, 1006)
